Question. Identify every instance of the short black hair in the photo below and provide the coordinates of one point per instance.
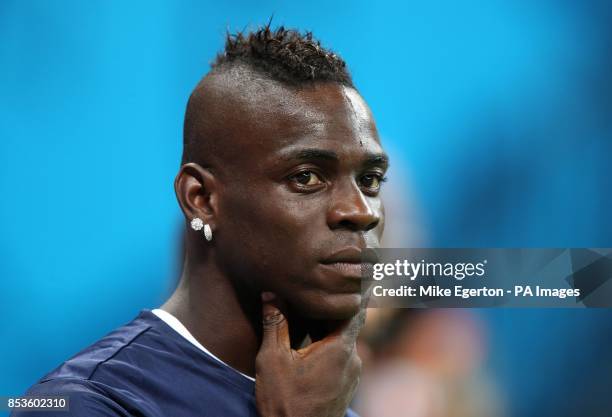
(286, 55)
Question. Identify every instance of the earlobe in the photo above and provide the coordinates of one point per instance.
(195, 189)
(198, 224)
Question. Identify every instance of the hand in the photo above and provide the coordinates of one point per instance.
(316, 381)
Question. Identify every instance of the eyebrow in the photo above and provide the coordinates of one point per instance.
(377, 159)
(326, 155)
(310, 154)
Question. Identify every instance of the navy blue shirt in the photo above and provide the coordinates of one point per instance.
(146, 368)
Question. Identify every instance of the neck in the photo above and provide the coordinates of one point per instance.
(219, 316)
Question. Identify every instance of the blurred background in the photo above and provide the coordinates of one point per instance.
(498, 119)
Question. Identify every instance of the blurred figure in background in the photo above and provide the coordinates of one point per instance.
(425, 363)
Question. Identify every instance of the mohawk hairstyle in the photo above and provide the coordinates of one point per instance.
(285, 55)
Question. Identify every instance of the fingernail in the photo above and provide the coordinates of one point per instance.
(267, 296)
(272, 316)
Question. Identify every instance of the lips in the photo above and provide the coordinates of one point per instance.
(347, 269)
(347, 262)
(351, 255)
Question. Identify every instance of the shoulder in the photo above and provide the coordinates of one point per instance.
(86, 363)
(92, 390)
(129, 368)
(84, 399)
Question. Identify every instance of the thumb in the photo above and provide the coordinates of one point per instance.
(275, 326)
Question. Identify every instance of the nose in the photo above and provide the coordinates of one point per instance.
(351, 210)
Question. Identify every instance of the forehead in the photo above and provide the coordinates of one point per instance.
(327, 116)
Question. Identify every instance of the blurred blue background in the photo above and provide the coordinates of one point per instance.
(497, 115)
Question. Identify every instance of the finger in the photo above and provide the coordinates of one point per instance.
(349, 329)
(275, 326)
(344, 335)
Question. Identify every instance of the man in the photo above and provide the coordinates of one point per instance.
(279, 185)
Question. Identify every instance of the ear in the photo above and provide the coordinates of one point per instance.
(196, 191)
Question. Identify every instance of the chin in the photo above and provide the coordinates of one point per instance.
(330, 306)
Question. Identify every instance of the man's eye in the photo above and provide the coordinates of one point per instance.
(308, 178)
(372, 181)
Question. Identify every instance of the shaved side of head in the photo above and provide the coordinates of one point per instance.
(258, 73)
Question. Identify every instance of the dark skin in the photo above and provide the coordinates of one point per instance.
(288, 178)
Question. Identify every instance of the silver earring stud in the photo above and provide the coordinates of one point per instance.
(207, 232)
(197, 224)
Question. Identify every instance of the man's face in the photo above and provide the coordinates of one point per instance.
(300, 198)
